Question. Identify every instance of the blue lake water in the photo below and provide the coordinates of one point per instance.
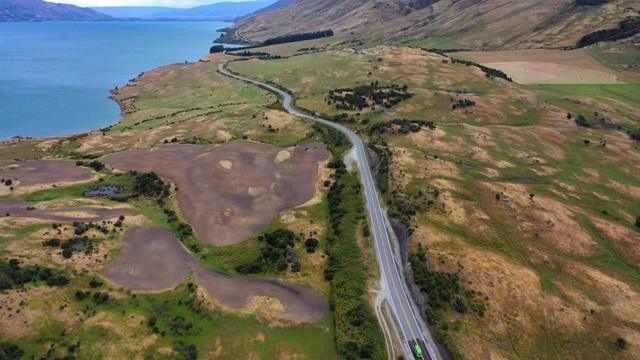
(55, 77)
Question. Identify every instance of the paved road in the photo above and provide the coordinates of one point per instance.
(399, 303)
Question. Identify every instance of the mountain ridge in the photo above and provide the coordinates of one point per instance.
(38, 10)
(477, 24)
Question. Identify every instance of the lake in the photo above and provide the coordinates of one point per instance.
(55, 77)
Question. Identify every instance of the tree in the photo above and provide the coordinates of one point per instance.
(621, 343)
(191, 352)
(8, 182)
(296, 266)
(216, 49)
(282, 265)
(459, 304)
(67, 253)
(637, 221)
(586, 141)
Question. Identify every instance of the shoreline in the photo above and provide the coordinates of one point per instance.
(112, 96)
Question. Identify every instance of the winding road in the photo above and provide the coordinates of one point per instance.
(403, 311)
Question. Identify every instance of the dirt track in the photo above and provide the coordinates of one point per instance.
(152, 259)
(41, 172)
(17, 208)
(234, 191)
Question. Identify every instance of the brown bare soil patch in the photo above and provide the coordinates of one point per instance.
(43, 172)
(40, 173)
(152, 259)
(218, 202)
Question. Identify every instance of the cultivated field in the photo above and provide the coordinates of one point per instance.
(545, 66)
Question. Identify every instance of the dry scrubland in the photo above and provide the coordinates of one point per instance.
(99, 317)
(532, 217)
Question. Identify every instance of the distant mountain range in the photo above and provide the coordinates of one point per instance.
(38, 10)
(217, 11)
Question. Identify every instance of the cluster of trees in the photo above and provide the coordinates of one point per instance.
(584, 122)
(626, 28)
(330, 136)
(406, 126)
(7, 182)
(489, 72)
(367, 96)
(298, 37)
(358, 334)
(10, 351)
(150, 185)
(591, 2)
(442, 290)
(259, 54)
(277, 252)
(401, 206)
(95, 164)
(462, 103)
(13, 275)
(98, 297)
(216, 49)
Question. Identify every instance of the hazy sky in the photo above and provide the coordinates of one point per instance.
(169, 3)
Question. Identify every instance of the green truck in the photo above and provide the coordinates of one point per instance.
(418, 350)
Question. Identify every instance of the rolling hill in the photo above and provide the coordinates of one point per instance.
(476, 24)
(38, 10)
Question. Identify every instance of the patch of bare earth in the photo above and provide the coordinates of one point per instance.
(152, 259)
(228, 206)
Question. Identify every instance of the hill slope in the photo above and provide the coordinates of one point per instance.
(471, 23)
(222, 10)
(38, 10)
(275, 6)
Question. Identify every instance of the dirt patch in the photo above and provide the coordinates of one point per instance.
(217, 203)
(152, 259)
(40, 173)
(43, 172)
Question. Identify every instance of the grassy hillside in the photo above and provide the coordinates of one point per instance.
(470, 23)
(532, 214)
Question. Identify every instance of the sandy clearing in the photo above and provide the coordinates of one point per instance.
(152, 259)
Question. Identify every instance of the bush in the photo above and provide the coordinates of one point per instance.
(250, 268)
